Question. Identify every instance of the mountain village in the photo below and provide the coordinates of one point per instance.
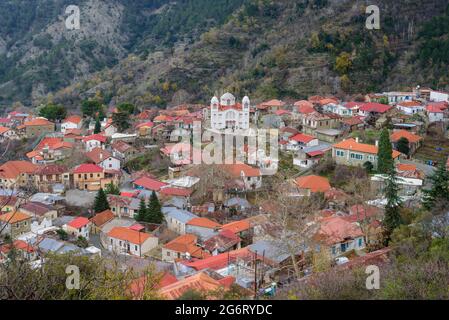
(115, 184)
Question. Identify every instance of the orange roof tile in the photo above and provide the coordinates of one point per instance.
(237, 169)
(187, 243)
(405, 134)
(14, 217)
(12, 169)
(237, 226)
(38, 122)
(406, 167)
(102, 217)
(204, 223)
(3, 130)
(336, 229)
(313, 183)
(74, 119)
(352, 145)
(198, 282)
(127, 234)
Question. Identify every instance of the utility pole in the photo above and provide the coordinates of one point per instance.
(255, 275)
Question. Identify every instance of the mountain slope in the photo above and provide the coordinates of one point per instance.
(166, 52)
(38, 55)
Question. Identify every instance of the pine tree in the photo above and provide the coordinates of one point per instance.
(154, 213)
(97, 128)
(392, 218)
(440, 187)
(385, 153)
(101, 202)
(143, 212)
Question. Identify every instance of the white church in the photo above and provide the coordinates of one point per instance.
(227, 114)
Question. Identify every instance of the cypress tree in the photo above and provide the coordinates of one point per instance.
(440, 187)
(392, 218)
(97, 128)
(403, 146)
(154, 213)
(385, 153)
(101, 202)
(142, 213)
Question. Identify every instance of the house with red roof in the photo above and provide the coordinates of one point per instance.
(7, 134)
(436, 111)
(301, 141)
(94, 141)
(48, 175)
(251, 178)
(123, 150)
(339, 236)
(104, 159)
(351, 152)
(15, 174)
(271, 106)
(147, 183)
(183, 247)
(410, 107)
(126, 240)
(344, 110)
(50, 149)
(373, 108)
(100, 219)
(78, 227)
(414, 141)
(71, 122)
(312, 184)
(37, 127)
(25, 250)
(202, 227)
(88, 176)
(224, 241)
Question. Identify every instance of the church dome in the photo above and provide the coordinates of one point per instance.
(227, 99)
(214, 101)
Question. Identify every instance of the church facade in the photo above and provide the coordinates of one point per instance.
(226, 113)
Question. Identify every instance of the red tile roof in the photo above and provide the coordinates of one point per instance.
(14, 217)
(127, 234)
(413, 138)
(313, 183)
(74, 119)
(219, 261)
(12, 169)
(150, 184)
(98, 155)
(237, 226)
(97, 137)
(303, 138)
(38, 122)
(102, 218)
(187, 243)
(336, 229)
(198, 282)
(88, 168)
(78, 222)
(169, 191)
(204, 223)
(375, 107)
(236, 170)
(352, 145)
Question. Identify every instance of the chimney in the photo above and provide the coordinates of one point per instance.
(377, 143)
(357, 139)
(101, 156)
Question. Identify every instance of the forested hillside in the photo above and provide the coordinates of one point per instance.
(168, 52)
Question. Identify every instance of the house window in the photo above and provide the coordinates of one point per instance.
(334, 251)
(111, 241)
(135, 248)
(360, 242)
(340, 153)
(168, 253)
(356, 156)
(344, 246)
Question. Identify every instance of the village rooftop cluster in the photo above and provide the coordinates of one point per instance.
(77, 189)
